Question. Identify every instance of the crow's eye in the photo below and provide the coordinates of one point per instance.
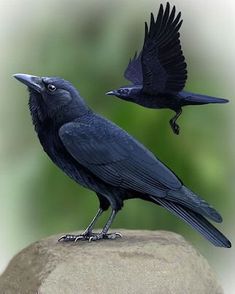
(123, 91)
(51, 87)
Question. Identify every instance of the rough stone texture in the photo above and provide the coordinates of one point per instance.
(141, 262)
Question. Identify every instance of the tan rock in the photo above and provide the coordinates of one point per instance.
(156, 262)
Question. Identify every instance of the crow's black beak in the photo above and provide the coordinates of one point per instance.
(110, 93)
(33, 82)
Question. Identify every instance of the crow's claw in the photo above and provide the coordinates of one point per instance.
(81, 237)
(75, 238)
(67, 238)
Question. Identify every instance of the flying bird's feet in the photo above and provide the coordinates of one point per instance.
(175, 127)
(100, 236)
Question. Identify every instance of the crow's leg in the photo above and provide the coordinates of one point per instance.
(104, 233)
(86, 234)
(175, 127)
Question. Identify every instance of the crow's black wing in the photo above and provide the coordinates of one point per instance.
(133, 72)
(163, 65)
(116, 158)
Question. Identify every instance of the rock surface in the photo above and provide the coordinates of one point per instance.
(148, 262)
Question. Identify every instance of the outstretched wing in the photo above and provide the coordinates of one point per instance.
(133, 72)
(116, 158)
(163, 63)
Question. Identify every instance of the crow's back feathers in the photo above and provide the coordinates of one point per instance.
(117, 158)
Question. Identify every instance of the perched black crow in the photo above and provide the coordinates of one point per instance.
(158, 74)
(104, 158)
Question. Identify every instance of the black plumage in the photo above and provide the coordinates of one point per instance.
(159, 72)
(102, 157)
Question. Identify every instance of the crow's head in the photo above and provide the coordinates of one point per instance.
(52, 97)
(125, 93)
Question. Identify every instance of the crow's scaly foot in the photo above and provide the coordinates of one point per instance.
(88, 236)
(101, 236)
(75, 238)
(175, 127)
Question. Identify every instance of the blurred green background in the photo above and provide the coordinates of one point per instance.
(90, 43)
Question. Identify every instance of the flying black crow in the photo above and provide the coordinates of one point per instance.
(158, 73)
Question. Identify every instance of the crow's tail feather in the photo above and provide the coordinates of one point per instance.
(197, 99)
(198, 222)
(189, 199)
